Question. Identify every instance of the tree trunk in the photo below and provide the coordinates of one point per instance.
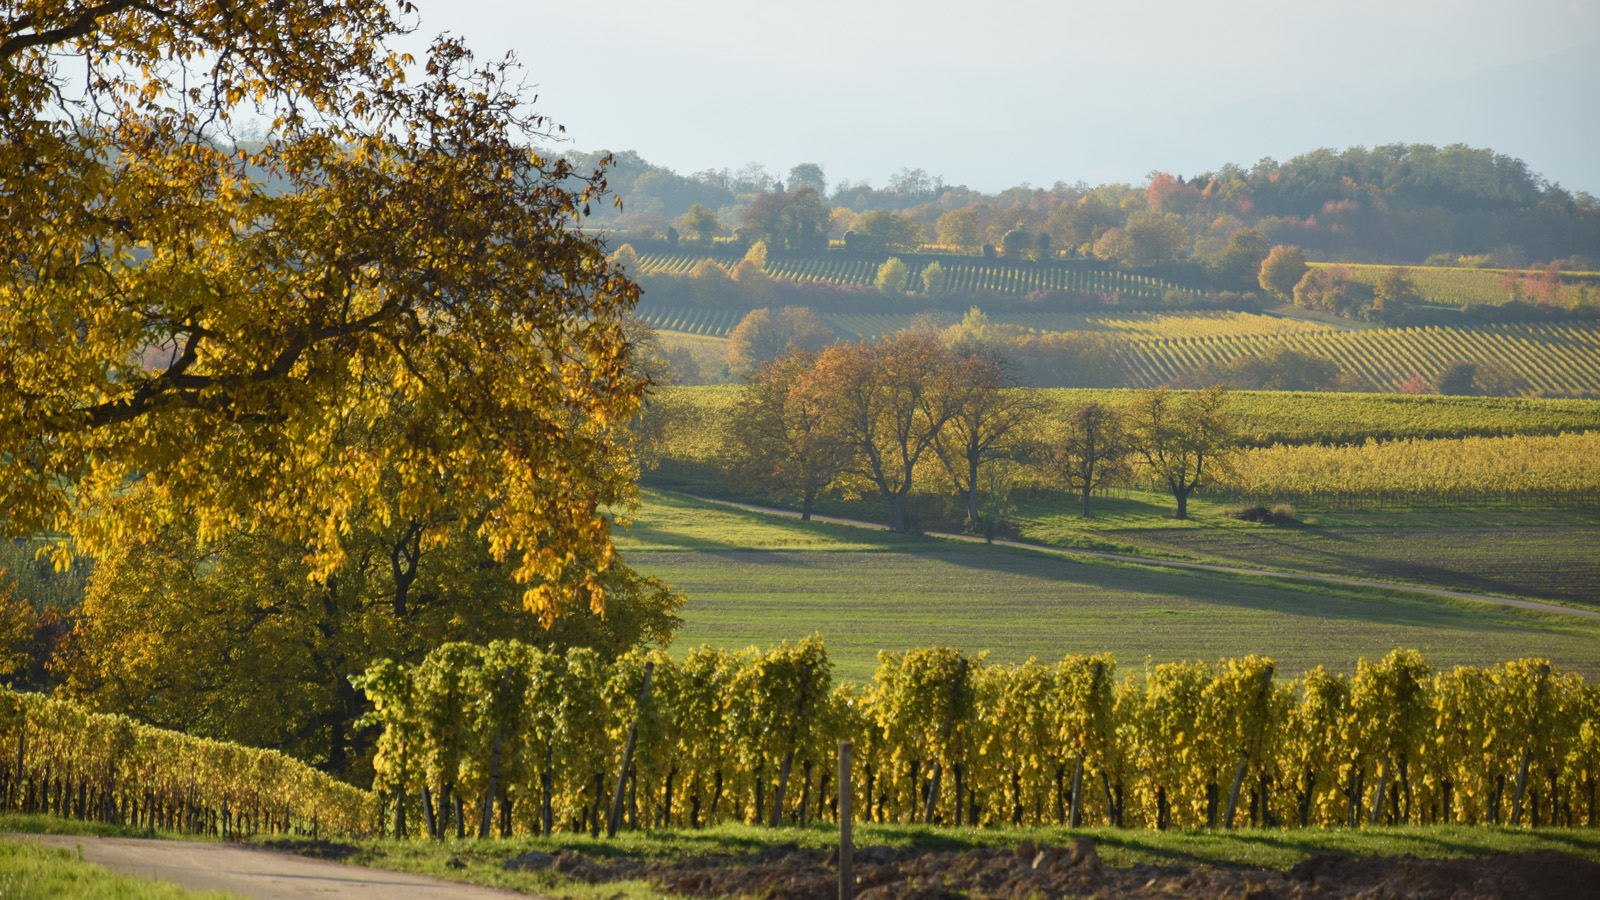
(429, 819)
(633, 798)
(761, 795)
(805, 504)
(1016, 797)
(778, 798)
(805, 797)
(487, 818)
(897, 512)
(1087, 491)
(1522, 783)
(666, 806)
(933, 793)
(614, 820)
(1183, 504)
(1305, 797)
(1061, 795)
(1233, 795)
(1075, 810)
(959, 778)
(545, 801)
(916, 790)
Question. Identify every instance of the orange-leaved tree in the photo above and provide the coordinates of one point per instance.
(889, 401)
(781, 437)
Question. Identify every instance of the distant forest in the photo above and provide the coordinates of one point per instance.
(1394, 204)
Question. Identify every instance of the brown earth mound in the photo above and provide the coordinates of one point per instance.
(1030, 871)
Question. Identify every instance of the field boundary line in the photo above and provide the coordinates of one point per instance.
(1534, 605)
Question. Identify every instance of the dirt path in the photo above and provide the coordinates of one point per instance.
(257, 872)
(1203, 567)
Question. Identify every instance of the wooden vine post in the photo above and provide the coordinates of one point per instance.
(614, 821)
(846, 850)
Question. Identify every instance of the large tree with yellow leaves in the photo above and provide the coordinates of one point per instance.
(211, 321)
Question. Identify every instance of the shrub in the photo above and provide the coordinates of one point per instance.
(1255, 513)
(1281, 514)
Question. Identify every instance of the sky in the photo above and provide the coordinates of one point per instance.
(1006, 92)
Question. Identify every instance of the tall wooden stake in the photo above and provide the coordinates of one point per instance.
(615, 819)
(846, 850)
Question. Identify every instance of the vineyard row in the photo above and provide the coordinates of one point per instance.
(999, 277)
(1549, 357)
(511, 738)
(63, 759)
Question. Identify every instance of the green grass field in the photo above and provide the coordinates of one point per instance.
(1540, 562)
(29, 871)
(758, 579)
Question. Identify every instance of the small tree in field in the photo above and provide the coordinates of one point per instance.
(1092, 451)
(1459, 377)
(1282, 270)
(889, 401)
(1183, 439)
(892, 277)
(765, 334)
(781, 438)
(699, 225)
(986, 422)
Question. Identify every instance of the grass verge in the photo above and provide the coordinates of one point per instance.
(29, 871)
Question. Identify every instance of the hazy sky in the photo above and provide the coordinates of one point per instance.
(997, 93)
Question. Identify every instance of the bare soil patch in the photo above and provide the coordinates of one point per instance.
(1029, 871)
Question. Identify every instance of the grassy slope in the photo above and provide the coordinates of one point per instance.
(30, 871)
(755, 579)
(1540, 554)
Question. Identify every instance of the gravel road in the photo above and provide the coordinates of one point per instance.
(257, 872)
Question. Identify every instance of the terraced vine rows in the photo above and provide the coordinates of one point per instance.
(1454, 286)
(704, 322)
(1552, 358)
(977, 275)
(1121, 324)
